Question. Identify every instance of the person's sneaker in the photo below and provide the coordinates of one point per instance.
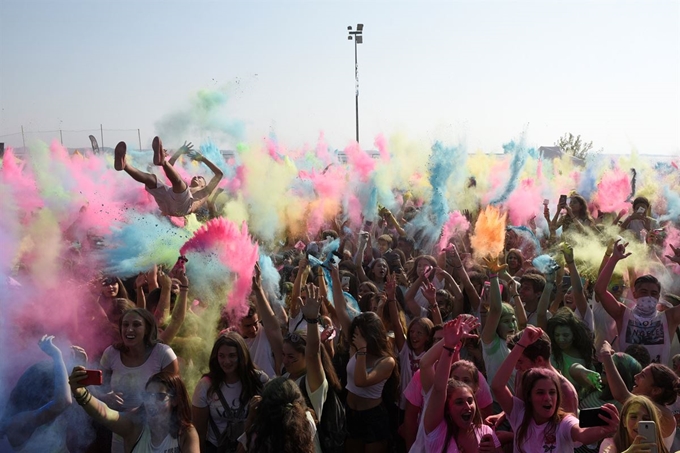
(119, 156)
(158, 151)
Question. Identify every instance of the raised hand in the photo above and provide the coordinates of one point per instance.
(79, 355)
(164, 279)
(568, 252)
(429, 291)
(605, 350)
(494, 265)
(391, 287)
(530, 335)
(140, 280)
(310, 308)
(619, 251)
(612, 421)
(676, 254)
(257, 277)
(452, 333)
(48, 348)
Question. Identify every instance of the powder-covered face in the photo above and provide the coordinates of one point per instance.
(293, 361)
(636, 413)
(507, 325)
(564, 337)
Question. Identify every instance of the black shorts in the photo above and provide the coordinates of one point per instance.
(369, 426)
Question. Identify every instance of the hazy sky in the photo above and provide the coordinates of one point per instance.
(480, 72)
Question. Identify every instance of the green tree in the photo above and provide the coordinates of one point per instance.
(574, 146)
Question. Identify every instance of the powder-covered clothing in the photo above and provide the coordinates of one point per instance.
(131, 381)
(145, 445)
(651, 332)
(50, 437)
(567, 361)
(171, 203)
(232, 417)
(541, 438)
(434, 441)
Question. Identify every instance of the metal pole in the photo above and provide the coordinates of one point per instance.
(139, 137)
(356, 78)
(101, 132)
(23, 138)
(61, 137)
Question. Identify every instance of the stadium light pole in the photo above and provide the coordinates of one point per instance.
(358, 39)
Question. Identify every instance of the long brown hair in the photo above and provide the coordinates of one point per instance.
(150, 329)
(529, 380)
(451, 427)
(280, 423)
(622, 440)
(180, 419)
(248, 374)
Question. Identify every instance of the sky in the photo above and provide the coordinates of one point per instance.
(480, 73)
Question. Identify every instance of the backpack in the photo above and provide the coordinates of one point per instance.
(227, 440)
(332, 429)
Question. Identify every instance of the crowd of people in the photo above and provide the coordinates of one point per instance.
(371, 320)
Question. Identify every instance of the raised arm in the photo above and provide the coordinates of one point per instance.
(300, 279)
(515, 301)
(436, 407)
(391, 220)
(310, 312)
(594, 434)
(613, 307)
(499, 387)
(163, 309)
(576, 284)
(268, 317)
(495, 307)
(121, 424)
(544, 301)
(340, 303)
(186, 147)
(212, 185)
(179, 312)
(359, 257)
(20, 427)
(380, 372)
(616, 385)
(390, 291)
(460, 272)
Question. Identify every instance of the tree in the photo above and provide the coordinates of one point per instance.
(574, 146)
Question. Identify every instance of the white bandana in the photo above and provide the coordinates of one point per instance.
(645, 307)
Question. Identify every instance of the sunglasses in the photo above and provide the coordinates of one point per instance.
(618, 287)
(108, 281)
(156, 397)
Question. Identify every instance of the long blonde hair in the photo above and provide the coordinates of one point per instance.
(622, 440)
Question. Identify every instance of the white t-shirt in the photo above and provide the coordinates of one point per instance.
(131, 381)
(261, 352)
(537, 439)
(434, 441)
(223, 417)
(651, 332)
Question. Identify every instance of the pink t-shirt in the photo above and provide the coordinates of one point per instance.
(537, 439)
(434, 441)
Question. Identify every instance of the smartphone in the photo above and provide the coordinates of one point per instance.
(566, 282)
(345, 281)
(94, 377)
(641, 210)
(546, 202)
(368, 225)
(648, 430)
(563, 199)
(590, 417)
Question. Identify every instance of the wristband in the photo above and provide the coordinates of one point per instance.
(311, 321)
(361, 353)
(183, 286)
(451, 350)
(493, 276)
(520, 345)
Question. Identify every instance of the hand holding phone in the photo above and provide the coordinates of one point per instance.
(647, 429)
(590, 417)
(94, 377)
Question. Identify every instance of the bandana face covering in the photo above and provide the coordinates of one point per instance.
(645, 306)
